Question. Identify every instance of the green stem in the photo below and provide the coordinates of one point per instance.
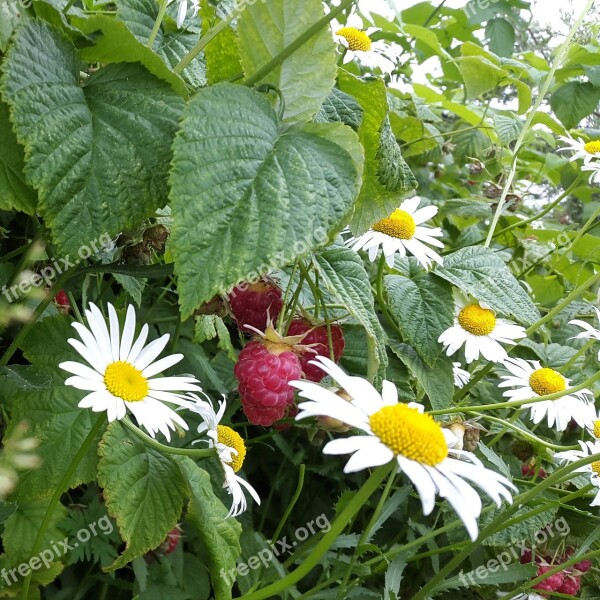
(575, 356)
(367, 532)
(200, 453)
(530, 115)
(68, 5)
(288, 288)
(26, 256)
(292, 503)
(499, 522)
(298, 43)
(205, 39)
(62, 487)
(380, 297)
(506, 425)
(337, 527)
(157, 23)
(444, 134)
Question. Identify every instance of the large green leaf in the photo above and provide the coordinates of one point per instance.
(247, 196)
(339, 107)
(424, 308)
(98, 155)
(479, 272)
(307, 76)
(15, 194)
(386, 175)
(143, 489)
(52, 413)
(220, 534)
(342, 273)
(437, 381)
(574, 101)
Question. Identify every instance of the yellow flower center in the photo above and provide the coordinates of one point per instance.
(592, 147)
(407, 432)
(596, 467)
(597, 429)
(477, 320)
(232, 439)
(399, 225)
(124, 381)
(357, 39)
(547, 381)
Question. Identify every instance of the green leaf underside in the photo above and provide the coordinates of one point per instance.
(249, 198)
(307, 76)
(340, 108)
(105, 147)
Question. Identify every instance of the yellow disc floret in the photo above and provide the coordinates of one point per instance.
(409, 433)
(124, 381)
(234, 440)
(547, 381)
(592, 147)
(356, 39)
(597, 429)
(399, 225)
(477, 320)
(596, 467)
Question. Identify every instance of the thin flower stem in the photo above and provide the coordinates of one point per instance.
(288, 288)
(26, 256)
(367, 531)
(513, 403)
(500, 521)
(530, 115)
(58, 492)
(199, 453)
(575, 356)
(337, 527)
(292, 503)
(161, 14)
(505, 426)
(380, 297)
(444, 134)
(523, 433)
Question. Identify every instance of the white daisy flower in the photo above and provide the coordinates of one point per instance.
(359, 46)
(531, 380)
(479, 330)
(120, 372)
(594, 427)
(588, 332)
(587, 449)
(231, 450)
(461, 377)
(594, 169)
(401, 432)
(403, 233)
(586, 150)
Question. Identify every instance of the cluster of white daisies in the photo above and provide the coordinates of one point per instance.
(589, 151)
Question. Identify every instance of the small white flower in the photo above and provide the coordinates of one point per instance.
(531, 380)
(183, 9)
(461, 377)
(119, 377)
(587, 449)
(359, 46)
(403, 233)
(594, 169)
(402, 433)
(479, 330)
(231, 450)
(588, 332)
(586, 150)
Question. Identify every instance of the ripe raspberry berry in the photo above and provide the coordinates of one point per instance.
(317, 340)
(552, 583)
(584, 566)
(526, 557)
(255, 304)
(528, 470)
(171, 541)
(263, 371)
(571, 585)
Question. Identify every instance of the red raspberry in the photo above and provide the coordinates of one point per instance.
(526, 557)
(584, 566)
(171, 541)
(528, 470)
(571, 585)
(254, 304)
(263, 371)
(318, 341)
(552, 583)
